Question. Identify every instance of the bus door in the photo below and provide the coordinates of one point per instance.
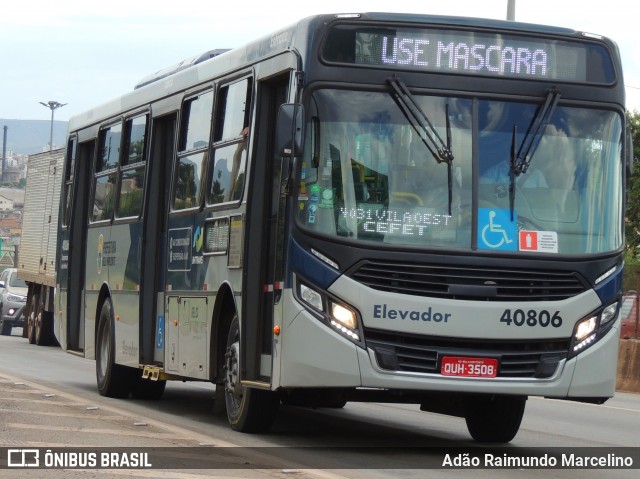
(76, 246)
(184, 339)
(152, 319)
(264, 245)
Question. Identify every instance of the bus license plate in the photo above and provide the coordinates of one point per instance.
(469, 367)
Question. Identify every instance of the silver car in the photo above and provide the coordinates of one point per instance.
(13, 297)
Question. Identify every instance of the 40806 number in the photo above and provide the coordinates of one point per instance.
(531, 318)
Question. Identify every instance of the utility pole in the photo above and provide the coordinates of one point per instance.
(53, 105)
(4, 151)
(511, 10)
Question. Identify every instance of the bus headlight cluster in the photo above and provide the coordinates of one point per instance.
(311, 297)
(343, 315)
(333, 312)
(590, 329)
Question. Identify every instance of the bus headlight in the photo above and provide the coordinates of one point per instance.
(344, 315)
(311, 297)
(585, 333)
(609, 313)
(330, 310)
(592, 328)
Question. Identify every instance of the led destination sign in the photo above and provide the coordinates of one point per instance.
(470, 53)
(477, 57)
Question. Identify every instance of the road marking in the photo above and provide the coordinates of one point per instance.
(112, 432)
(219, 473)
(176, 433)
(40, 401)
(103, 417)
(601, 406)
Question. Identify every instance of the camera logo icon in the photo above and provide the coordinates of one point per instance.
(23, 458)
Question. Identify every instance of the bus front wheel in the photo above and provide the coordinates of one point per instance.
(494, 418)
(248, 409)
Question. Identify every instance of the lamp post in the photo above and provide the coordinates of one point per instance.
(53, 105)
(511, 10)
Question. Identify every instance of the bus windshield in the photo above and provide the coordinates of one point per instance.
(368, 175)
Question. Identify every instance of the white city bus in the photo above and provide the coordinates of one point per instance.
(362, 207)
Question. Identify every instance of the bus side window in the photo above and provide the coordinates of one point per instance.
(193, 147)
(133, 167)
(69, 176)
(226, 178)
(106, 172)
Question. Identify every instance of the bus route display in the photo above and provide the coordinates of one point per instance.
(470, 53)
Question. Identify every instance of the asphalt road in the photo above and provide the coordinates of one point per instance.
(48, 398)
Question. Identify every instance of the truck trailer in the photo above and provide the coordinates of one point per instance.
(37, 252)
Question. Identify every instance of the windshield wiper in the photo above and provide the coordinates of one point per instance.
(521, 160)
(535, 132)
(420, 122)
(440, 150)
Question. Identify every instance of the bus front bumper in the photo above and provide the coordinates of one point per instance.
(312, 355)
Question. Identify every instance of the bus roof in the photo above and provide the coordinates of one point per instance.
(197, 69)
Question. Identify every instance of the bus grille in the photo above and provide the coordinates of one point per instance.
(468, 282)
(423, 354)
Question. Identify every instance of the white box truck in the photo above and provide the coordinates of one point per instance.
(37, 252)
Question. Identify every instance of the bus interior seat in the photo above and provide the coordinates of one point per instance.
(403, 176)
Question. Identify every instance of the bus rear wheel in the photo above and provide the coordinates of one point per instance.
(142, 388)
(248, 409)
(114, 380)
(494, 419)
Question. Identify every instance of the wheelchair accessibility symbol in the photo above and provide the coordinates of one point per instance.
(496, 231)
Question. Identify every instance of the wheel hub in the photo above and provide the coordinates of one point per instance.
(232, 376)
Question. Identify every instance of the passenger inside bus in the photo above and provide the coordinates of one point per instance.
(552, 168)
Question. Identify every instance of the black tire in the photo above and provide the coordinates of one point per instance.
(147, 389)
(39, 323)
(30, 320)
(5, 327)
(114, 380)
(44, 328)
(337, 404)
(248, 409)
(494, 419)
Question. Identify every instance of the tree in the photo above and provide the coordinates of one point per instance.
(632, 217)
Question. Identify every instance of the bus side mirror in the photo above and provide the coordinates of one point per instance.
(289, 130)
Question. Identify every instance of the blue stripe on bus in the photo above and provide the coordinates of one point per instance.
(313, 269)
(610, 288)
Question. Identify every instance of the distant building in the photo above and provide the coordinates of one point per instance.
(12, 174)
(14, 194)
(11, 224)
(6, 204)
(11, 204)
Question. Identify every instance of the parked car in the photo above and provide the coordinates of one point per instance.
(13, 298)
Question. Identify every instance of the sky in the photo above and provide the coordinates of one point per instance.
(83, 53)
